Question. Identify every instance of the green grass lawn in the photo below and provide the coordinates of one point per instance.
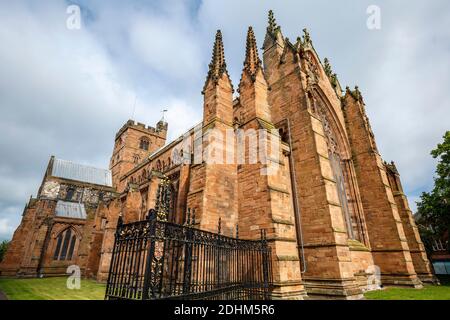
(56, 289)
(50, 289)
(429, 292)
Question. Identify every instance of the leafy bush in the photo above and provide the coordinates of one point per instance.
(3, 247)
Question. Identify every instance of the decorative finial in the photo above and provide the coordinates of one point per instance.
(393, 167)
(163, 199)
(329, 72)
(272, 27)
(334, 80)
(219, 226)
(327, 67)
(217, 66)
(252, 61)
(306, 36)
(358, 95)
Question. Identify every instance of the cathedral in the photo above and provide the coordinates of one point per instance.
(334, 211)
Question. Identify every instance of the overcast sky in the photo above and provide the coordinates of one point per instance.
(66, 92)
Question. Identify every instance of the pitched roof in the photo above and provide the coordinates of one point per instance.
(72, 210)
(74, 171)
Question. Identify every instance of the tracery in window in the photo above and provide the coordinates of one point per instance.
(341, 168)
(65, 245)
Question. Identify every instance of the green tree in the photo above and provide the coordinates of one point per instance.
(434, 207)
(3, 247)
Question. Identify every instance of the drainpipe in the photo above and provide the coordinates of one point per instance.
(298, 220)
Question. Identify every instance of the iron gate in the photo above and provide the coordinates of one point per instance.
(155, 259)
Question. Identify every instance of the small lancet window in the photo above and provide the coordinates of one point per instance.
(70, 193)
(71, 248)
(58, 247)
(144, 143)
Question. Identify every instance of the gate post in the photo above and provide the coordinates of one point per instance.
(151, 251)
(113, 254)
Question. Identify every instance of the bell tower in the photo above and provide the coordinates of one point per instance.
(133, 143)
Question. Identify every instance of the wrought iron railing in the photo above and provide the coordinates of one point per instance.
(155, 259)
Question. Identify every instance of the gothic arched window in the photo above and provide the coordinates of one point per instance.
(144, 143)
(336, 165)
(65, 245)
(341, 167)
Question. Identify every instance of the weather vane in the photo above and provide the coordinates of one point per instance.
(163, 114)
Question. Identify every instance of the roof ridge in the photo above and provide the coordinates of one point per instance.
(81, 164)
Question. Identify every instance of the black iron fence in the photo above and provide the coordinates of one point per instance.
(154, 259)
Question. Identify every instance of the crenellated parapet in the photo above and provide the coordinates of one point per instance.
(134, 142)
(159, 130)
